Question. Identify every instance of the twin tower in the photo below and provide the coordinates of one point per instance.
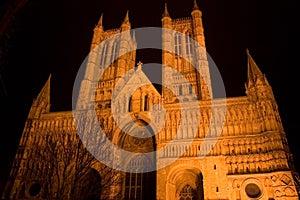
(175, 143)
(183, 48)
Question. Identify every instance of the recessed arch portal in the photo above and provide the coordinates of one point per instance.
(185, 182)
(89, 186)
(139, 180)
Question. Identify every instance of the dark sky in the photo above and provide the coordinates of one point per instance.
(53, 36)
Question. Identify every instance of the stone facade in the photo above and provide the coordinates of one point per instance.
(205, 148)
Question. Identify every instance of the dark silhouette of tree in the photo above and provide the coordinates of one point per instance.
(57, 161)
(59, 166)
(95, 132)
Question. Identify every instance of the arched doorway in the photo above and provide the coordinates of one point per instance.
(185, 182)
(89, 187)
(191, 190)
(140, 178)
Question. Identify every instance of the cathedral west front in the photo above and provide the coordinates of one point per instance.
(128, 139)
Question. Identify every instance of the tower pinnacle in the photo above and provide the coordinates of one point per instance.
(253, 70)
(126, 24)
(195, 5)
(42, 102)
(126, 19)
(166, 13)
(100, 23)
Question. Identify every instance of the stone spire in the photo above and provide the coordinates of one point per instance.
(253, 70)
(195, 5)
(166, 13)
(42, 103)
(126, 23)
(198, 25)
(100, 23)
(126, 19)
(98, 31)
(44, 94)
(257, 86)
(166, 19)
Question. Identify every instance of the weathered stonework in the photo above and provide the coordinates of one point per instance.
(227, 148)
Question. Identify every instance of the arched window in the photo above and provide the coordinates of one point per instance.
(140, 180)
(133, 186)
(35, 189)
(103, 55)
(180, 89)
(178, 44)
(108, 105)
(187, 193)
(190, 89)
(115, 49)
(88, 187)
(146, 103)
(188, 45)
(129, 104)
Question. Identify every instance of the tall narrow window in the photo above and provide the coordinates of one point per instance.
(115, 49)
(190, 89)
(146, 103)
(188, 45)
(140, 181)
(103, 55)
(134, 186)
(129, 104)
(178, 43)
(139, 186)
(180, 89)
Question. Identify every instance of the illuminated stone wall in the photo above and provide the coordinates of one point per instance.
(226, 148)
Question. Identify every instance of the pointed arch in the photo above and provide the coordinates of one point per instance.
(146, 103)
(189, 48)
(139, 182)
(89, 186)
(103, 57)
(187, 193)
(183, 176)
(178, 43)
(115, 50)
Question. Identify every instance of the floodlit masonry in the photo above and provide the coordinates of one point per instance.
(202, 147)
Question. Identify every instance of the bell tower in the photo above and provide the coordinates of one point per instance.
(184, 51)
(112, 55)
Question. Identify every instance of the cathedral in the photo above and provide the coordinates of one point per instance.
(129, 137)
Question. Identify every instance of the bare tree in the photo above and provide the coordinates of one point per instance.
(61, 164)
(59, 160)
(95, 132)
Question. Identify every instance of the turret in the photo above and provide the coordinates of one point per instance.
(127, 48)
(126, 23)
(167, 39)
(257, 86)
(98, 31)
(197, 25)
(41, 104)
(166, 19)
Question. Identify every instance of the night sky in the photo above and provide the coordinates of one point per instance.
(54, 36)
